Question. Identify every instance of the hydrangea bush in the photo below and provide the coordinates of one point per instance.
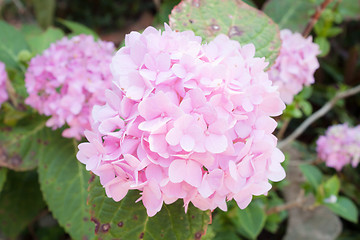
(3, 79)
(176, 134)
(186, 120)
(340, 146)
(67, 80)
(295, 66)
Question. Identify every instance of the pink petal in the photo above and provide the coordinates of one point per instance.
(193, 173)
(187, 143)
(216, 143)
(177, 171)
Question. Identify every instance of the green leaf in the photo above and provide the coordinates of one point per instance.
(345, 208)
(39, 43)
(250, 221)
(164, 11)
(312, 175)
(64, 181)
(349, 9)
(333, 31)
(20, 202)
(306, 107)
(290, 14)
(324, 45)
(44, 12)
(332, 186)
(77, 28)
(19, 145)
(129, 220)
(250, 2)
(236, 19)
(3, 174)
(11, 43)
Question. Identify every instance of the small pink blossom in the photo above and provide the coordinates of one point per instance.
(340, 146)
(3, 78)
(68, 79)
(295, 66)
(186, 121)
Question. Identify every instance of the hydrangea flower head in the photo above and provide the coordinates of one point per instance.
(340, 146)
(68, 79)
(3, 78)
(186, 121)
(295, 66)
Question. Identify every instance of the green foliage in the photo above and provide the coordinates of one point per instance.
(38, 43)
(129, 220)
(332, 186)
(3, 175)
(64, 181)
(273, 221)
(20, 202)
(300, 105)
(239, 21)
(345, 208)
(290, 14)
(19, 145)
(312, 174)
(163, 13)
(77, 28)
(249, 221)
(44, 12)
(12, 42)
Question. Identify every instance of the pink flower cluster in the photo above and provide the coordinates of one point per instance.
(295, 66)
(340, 146)
(68, 79)
(3, 78)
(186, 121)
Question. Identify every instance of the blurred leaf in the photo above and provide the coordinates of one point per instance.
(11, 114)
(29, 30)
(250, 221)
(345, 208)
(64, 181)
(290, 14)
(129, 220)
(11, 43)
(3, 174)
(19, 145)
(324, 45)
(312, 175)
(333, 71)
(306, 92)
(239, 21)
(20, 202)
(77, 28)
(332, 186)
(274, 220)
(333, 31)
(39, 43)
(305, 107)
(44, 12)
(349, 9)
(163, 14)
(250, 2)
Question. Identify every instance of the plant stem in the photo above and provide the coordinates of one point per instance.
(318, 114)
(297, 203)
(12, 94)
(283, 128)
(315, 17)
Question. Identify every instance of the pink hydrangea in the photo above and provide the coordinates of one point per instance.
(3, 78)
(295, 66)
(68, 79)
(186, 121)
(340, 146)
